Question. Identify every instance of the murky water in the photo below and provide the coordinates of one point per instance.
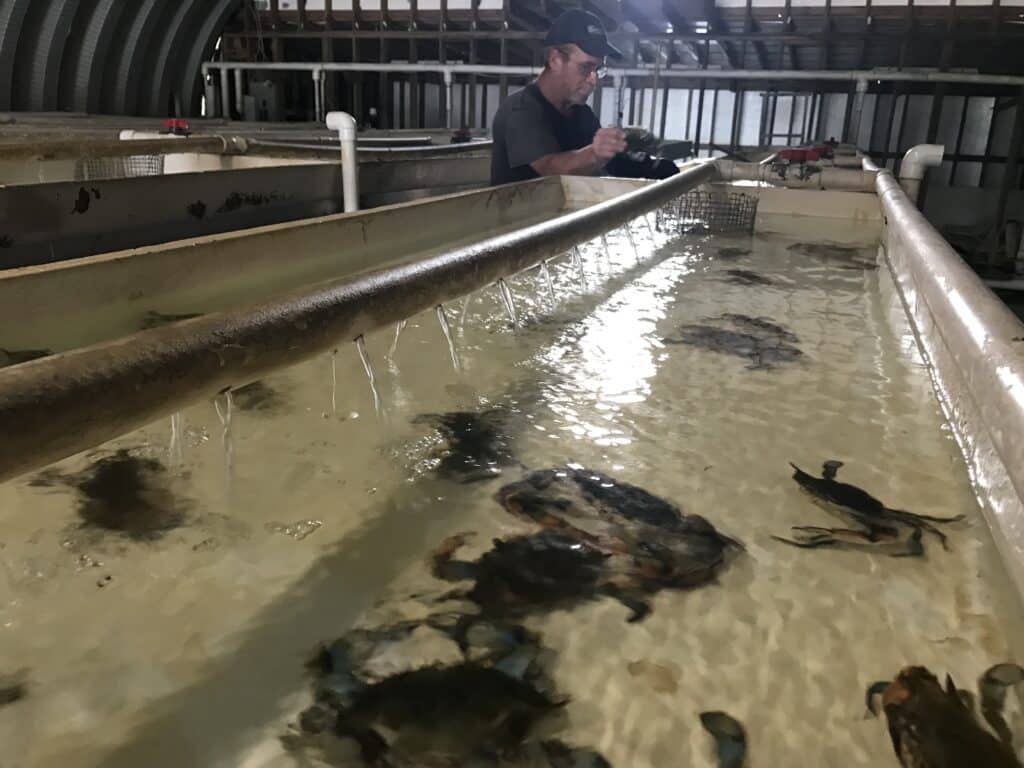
(163, 593)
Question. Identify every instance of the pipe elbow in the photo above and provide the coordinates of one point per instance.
(919, 159)
(343, 123)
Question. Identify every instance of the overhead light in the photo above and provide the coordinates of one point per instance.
(700, 27)
(669, 29)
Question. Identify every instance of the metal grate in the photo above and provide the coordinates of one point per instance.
(713, 211)
(119, 167)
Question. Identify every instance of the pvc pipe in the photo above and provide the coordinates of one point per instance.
(448, 98)
(57, 406)
(827, 177)
(848, 75)
(915, 163)
(345, 125)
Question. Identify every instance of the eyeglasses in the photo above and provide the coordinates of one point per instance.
(588, 69)
(585, 68)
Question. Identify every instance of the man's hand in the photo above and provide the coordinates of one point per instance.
(607, 143)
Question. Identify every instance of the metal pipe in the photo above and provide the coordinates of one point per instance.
(827, 177)
(915, 163)
(345, 125)
(317, 104)
(225, 94)
(968, 339)
(857, 112)
(57, 406)
(848, 75)
(210, 92)
(240, 92)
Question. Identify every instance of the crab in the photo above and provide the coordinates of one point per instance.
(878, 526)
(932, 727)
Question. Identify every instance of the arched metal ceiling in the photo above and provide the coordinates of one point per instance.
(107, 56)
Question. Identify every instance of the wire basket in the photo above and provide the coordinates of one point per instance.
(119, 167)
(711, 211)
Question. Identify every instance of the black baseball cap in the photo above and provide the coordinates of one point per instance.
(582, 29)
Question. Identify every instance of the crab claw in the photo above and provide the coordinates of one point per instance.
(730, 739)
(992, 687)
(875, 689)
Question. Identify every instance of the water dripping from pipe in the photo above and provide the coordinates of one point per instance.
(334, 381)
(632, 240)
(506, 297)
(175, 453)
(365, 358)
(577, 260)
(226, 438)
(465, 310)
(547, 279)
(443, 319)
(399, 327)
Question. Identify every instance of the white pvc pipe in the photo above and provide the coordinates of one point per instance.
(915, 163)
(345, 125)
(826, 177)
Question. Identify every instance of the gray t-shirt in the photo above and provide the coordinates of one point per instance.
(527, 127)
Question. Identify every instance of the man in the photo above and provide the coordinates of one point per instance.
(547, 129)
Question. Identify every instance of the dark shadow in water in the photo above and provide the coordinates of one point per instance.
(259, 397)
(746, 277)
(765, 343)
(732, 252)
(128, 495)
(478, 444)
(843, 256)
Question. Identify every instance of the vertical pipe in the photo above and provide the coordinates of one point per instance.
(857, 111)
(988, 142)
(345, 125)
(700, 118)
(737, 117)
(771, 118)
(792, 119)
(887, 148)
(447, 92)
(664, 111)
(317, 104)
(899, 134)
(762, 139)
(225, 94)
(240, 92)
(711, 128)
(654, 87)
(1012, 170)
(959, 140)
(503, 79)
(210, 92)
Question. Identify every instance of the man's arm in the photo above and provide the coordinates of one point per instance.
(607, 143)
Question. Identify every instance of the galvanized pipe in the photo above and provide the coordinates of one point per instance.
(842, 75)
(225, 94)
(57, 406)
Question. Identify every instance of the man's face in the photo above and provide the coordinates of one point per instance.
(577, 72)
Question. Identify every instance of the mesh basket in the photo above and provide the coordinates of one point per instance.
(119, 167)
(713, 211)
